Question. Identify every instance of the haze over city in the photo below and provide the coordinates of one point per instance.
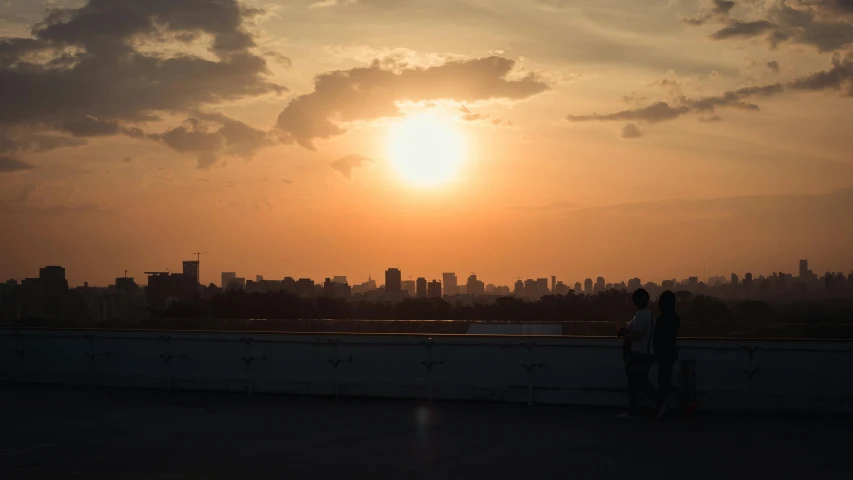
(661, 139)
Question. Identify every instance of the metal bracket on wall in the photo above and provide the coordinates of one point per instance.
(336, 361)
(429, 363)
(93, 355)
(21, 351)
(248, 359)
(751, 371)
(530, 367)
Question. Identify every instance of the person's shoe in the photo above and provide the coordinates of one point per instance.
(626, 416)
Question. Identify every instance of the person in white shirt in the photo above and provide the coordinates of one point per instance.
(639, 358)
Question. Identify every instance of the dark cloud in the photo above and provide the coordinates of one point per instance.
(36, 143)
(717, 9)
(206, 160)
(82, 71)
(369, 93)
(722, 7)
(742, 29)
(12, 164)
(212, 133)
(630, 131)
(839, 77)
(711, 119)
(773, 66)
(90, 126)
(345, 165)
(663, 111)
(656, 112)
(824, 24)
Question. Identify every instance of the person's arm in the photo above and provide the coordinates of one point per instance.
(635, 332)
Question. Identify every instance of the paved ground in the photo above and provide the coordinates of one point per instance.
(55, 432)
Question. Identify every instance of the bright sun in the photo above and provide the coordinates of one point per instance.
(426, 150)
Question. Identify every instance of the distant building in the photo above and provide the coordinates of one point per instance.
(734, 279)
(587, 286)
(600, 285)
(531, 292)
(804, 269)
(451, 286)
(474, 286)
(226, 279)
(561, 288)
(518, 291)
(259, 278)
(164, 288)
(434, 289)
(340, 279)
(634, 284)
(578, 288)
(54, 291)
(334, 289)
(421, 287)
(542, 286)
(747, 280)
(553, 284)
(305, 288)
(191, 269)
(393, 280)
(409, 287)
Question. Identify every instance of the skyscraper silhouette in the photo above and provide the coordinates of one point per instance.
(393, 280)
(451, 287)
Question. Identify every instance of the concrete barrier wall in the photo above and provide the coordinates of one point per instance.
(732, 375)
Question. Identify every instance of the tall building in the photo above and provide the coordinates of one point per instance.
(747, 280)
(734, 279)
(474, 286)
(587, 286)
(434, 289)
(421, 287)
(518, 291)
(600, 285)
(305, 288)
(226, 278)
(542, 286)
(804, 269)
(451, 287)
(393, 280)
(54, 290)
(259, 278)
(409, 286)
(191, 269)
(340, 279)
(578, 288)
(634, 284)
(553, 284)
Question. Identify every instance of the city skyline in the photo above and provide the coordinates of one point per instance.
(419, 287)
(309, 138)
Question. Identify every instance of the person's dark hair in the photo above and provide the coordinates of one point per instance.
(640, 298)
(666, 302)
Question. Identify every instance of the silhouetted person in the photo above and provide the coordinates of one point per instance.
(639, 359)
(665, 349)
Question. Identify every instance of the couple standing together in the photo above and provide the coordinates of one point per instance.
(649, 341)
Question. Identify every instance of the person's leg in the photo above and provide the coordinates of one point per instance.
(638, 383)
(664, 381)
(633, 392)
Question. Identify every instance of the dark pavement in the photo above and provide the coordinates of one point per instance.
(58, 432)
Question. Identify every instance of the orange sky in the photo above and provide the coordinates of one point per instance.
(659, 139)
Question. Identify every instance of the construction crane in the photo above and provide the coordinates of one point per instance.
(198, 268)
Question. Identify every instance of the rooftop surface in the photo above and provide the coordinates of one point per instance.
(59, 432)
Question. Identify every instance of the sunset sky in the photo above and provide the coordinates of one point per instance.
(621, 138)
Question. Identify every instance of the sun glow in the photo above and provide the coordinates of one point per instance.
(426, 150)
